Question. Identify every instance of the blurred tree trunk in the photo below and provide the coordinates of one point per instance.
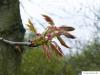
(10, 28)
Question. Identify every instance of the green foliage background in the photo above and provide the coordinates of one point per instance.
(35, 63)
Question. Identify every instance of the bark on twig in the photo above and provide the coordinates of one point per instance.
(28, 43)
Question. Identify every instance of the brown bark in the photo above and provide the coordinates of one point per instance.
(10, 28)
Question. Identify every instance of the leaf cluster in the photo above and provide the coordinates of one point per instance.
(45, 39)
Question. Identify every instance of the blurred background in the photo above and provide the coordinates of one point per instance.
(84, 16)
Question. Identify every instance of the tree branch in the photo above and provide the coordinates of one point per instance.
(28, 43)
(45, 37)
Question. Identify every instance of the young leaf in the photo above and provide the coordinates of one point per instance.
(58, 47)
(62, 42)
(31, 26)
(48, 19)
(67, 28)
(46, 51)
(68, 35)
(56, 50)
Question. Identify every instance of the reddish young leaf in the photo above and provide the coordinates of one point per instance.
(67, 28)
(57, 47)
(46, 51)
(48, 19)
(62, 42)
(68, 35)
(58, 52)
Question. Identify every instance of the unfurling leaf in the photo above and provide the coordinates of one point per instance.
(68, 35)
(46, 51)
(57, 50)
(58, 47)
(45, 39)
(31, 26)
(48, 19)
(62, 42)
(67, 28)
